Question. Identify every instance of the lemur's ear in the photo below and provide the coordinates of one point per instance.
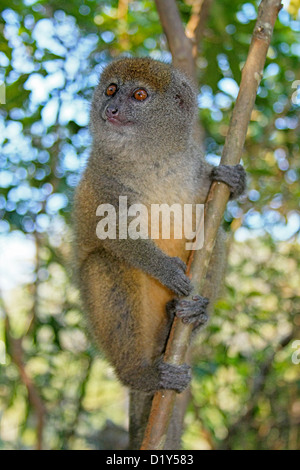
(180, 100)
(184, 91)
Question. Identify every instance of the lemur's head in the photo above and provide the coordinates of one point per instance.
(143, 101)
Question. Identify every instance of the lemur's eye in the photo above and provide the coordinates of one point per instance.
(140, 94)
(111, 89)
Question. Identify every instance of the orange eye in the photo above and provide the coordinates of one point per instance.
(140, 94)
(111, 89)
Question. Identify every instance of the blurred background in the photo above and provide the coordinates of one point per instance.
(56, 390)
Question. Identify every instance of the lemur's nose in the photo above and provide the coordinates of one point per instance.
(111, 111)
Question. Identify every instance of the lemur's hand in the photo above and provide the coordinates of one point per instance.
(174, 277)
(233, 176)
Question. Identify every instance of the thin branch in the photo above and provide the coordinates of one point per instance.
(180, 46)
(218, 196)
(195, 27)
(122, 24)
(16, 352)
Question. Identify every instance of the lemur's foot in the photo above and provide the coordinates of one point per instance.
(233, 176)
(174, 377)
(190, 311)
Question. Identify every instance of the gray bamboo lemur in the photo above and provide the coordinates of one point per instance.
(142, 118)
